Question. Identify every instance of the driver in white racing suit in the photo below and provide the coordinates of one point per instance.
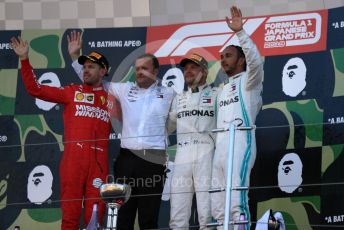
(239, 102)
(194, 114)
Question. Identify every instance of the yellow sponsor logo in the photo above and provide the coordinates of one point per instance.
(102, 99)
(196, 57)
(79, 96)
(96, 55)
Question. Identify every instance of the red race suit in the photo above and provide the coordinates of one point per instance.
(84, 165)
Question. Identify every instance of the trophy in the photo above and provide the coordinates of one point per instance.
(114, 195)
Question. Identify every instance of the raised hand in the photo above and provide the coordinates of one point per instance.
(74, 44)
(20, 47)
(235, 23)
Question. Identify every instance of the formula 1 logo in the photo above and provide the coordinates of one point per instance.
(273, 35)
(201, 35)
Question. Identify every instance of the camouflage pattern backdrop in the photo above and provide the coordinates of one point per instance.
(300, 134)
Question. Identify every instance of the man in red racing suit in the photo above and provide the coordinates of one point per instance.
(84, 165)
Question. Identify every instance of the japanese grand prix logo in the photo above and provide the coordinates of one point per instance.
(274, 35)
(292, 30)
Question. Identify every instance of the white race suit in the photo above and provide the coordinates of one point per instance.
(239, 101)
(195, 116)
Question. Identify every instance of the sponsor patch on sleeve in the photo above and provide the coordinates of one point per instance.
(84, 97)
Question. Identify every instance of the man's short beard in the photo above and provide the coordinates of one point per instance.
(232, 71)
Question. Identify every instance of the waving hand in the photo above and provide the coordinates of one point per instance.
(235, 23)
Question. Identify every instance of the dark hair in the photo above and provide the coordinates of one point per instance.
(151, 56)
(240, 53)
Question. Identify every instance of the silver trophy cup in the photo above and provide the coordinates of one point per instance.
(114, 195)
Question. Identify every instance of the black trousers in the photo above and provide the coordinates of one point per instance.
(144, 171)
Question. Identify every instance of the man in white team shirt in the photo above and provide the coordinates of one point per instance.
(239, 102)
(193, 112)
(141, 163)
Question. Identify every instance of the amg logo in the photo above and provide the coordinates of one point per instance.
(202, 113)
(93, 112)
(229, 101)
